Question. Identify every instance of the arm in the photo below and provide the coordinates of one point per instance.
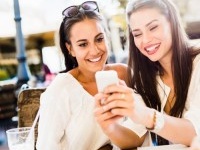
(124, 138)
(52, 122)
(183, 130)
(174, 129)
(112, 126)
(177, 130)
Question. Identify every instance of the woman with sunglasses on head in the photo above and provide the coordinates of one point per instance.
(165, 77)
(67, 119)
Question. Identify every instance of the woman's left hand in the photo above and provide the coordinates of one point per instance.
(104, 117)
(121, 102)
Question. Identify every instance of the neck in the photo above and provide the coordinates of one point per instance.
(85, 77)
(166, 65)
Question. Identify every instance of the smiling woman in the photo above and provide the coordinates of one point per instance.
(67, 105)
(164, 78)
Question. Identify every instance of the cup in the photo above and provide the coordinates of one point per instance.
(20, 138)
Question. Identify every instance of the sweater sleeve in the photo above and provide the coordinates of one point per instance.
(139, 129)
(192, 109)
(54, 117)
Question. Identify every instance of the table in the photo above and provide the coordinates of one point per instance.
(165, 147)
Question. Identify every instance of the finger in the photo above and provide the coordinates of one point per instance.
(103, 100)
(101, 110)
(120, 96)
(122, 82)
(98, 98)
(117, 89)
(120, 111)
(116, 96)
(117, 104)
(115, 118)
(103, 115)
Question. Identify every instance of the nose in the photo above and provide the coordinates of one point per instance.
(146, 38)
(94, 49)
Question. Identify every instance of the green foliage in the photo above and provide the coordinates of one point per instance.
(3, 75)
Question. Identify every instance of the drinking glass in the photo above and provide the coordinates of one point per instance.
(20, 138)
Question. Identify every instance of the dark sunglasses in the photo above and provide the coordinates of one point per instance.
(72, 11)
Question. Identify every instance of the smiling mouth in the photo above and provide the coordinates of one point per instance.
(95, 59)
(152, 49)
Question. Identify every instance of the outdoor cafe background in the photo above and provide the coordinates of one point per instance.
(29, 43)
(40, 21)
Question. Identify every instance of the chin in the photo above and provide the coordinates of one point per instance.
(153, 59)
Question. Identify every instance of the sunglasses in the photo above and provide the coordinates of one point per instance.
(72, 11)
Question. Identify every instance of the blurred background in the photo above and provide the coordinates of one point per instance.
(40, 59)
(40, 20)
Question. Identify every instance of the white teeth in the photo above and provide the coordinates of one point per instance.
(95, 60)
(151, 48)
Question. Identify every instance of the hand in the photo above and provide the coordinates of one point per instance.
(121, 101)
(104, 117)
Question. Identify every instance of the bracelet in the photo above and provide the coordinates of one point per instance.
(158, 122)
(154, 121)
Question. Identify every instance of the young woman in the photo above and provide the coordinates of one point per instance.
(66, 120)
(164, 77)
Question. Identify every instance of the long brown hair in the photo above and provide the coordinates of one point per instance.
(143, 76)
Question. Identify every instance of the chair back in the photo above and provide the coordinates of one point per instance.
(28, 105)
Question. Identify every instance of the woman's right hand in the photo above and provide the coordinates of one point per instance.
(120, 100)
(104, 117)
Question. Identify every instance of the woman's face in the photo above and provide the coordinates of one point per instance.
(152, 34)
(88, 45)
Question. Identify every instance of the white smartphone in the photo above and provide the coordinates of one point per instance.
(105, 78)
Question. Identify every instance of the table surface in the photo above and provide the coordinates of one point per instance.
(166, 147)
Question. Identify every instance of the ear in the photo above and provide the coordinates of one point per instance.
(70, 49)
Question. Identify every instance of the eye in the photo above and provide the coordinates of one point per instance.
(99, 39)
(137, 35)
(83, 44)
(153, 28)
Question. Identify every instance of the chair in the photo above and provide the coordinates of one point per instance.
(28, 104)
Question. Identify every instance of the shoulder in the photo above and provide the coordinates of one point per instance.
(196, 61)
(62, 80)
(196, 67)
(58, 88)
(59, 78)
(197, 57)
(120, 68)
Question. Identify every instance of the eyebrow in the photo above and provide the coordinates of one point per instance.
(83, 40)
(146, 25)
